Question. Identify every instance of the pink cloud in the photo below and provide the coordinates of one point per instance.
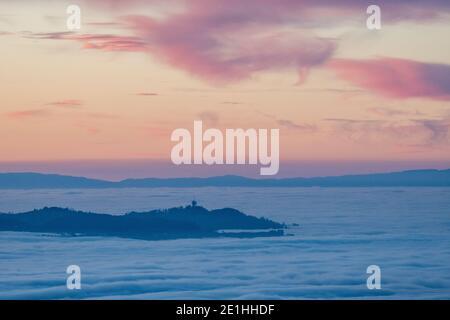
(423, 133)
(106, 42)
(219, 55)
(257, 10)
(223, 52)
(147, 94)
(110, 42)
(28, 113)
(396, 78)
(68, 103)
(44, 111)
(222, 41)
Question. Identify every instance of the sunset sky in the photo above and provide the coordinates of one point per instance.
(102, 101)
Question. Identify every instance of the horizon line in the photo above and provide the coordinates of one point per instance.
(221, 176)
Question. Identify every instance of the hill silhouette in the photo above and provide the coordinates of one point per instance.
(183, 222)
(412, 178)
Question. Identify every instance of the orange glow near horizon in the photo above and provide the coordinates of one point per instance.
(118, 87)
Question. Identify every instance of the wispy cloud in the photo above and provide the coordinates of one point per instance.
(223, 55)
(147, 94)
(222, 41)
(396, 78)
(289, 124)
(211, 118)
(32, 113)
(292, 125)
(105, 42)
(438, 129)
(100, 115)
(104, 24)
(232, 102)
(46, 109)
(391, 112)
(422, 133)
(68, 103)
(304, 10)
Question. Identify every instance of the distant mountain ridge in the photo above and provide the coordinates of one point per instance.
(411, 178)
(182, 222)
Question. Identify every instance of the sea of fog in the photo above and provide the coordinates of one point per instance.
(340, 232)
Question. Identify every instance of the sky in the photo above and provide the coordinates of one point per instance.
(103, 101)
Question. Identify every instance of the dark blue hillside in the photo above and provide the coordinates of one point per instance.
(183, 222)
(412, 178)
